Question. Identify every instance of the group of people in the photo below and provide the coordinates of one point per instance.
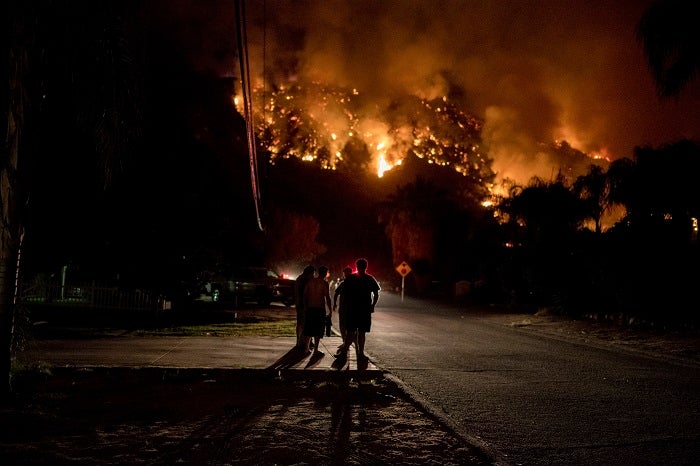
(354, 298)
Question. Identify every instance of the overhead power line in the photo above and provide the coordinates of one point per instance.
(248, 106)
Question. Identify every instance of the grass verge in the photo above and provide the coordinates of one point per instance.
(247, 327)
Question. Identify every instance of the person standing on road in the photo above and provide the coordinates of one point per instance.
(300, 286)
(362, 293)
(317, 303)
(342, 313)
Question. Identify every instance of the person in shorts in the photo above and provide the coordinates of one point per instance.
(342, 313)
(300, 285)
(317, 304)
(361, 291)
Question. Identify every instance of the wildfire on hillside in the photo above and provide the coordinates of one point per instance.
(333, 126)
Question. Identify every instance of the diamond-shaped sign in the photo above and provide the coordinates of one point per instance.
(403, 268)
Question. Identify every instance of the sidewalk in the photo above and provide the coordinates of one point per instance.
(215, 400)
(241, 352)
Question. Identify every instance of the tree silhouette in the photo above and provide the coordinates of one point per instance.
(356, 158)
(87, 71)
(669, 33)
(594, 190)
(546, 209)
(409, 219)
(544, 218)
(291, 239)
(622, 181)
(427, 227)
(666, 196)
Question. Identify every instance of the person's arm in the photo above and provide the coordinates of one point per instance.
(375, 294)
(336, 293)
(327, 298)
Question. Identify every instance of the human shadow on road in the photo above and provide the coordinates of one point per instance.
(342, 362)
(290, 359)
(315, 359)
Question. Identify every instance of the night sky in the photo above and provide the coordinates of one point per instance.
(536, 72)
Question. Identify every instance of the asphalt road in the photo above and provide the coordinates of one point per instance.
(536, 400)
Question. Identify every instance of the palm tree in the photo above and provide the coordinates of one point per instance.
(594, 190)
(669, 32)
(10, 192)
(547, 209)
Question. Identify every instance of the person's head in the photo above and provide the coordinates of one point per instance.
(361, 265)
(323, 271)
(309, 270)
(347, 271)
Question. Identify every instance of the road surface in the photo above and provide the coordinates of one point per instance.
(536, 400)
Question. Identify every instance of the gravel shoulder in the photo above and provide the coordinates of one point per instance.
(679, 345)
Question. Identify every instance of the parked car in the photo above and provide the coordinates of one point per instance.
(283, 290)
(248, 284)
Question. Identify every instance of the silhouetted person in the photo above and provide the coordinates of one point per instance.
(342, 313)
(361, 291)
(317, 303)
(300, 285)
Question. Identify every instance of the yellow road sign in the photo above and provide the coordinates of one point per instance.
(403, 269)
